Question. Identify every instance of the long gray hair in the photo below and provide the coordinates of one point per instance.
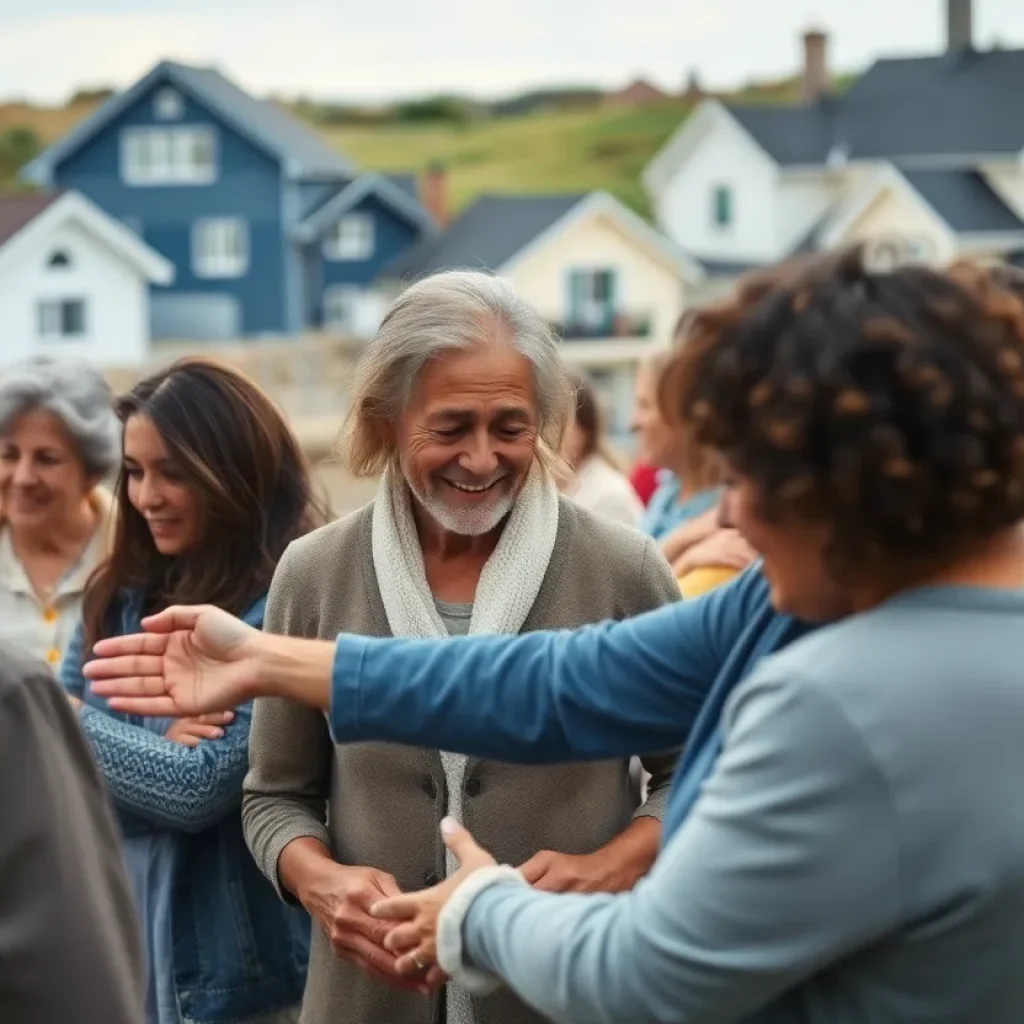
(450, 310)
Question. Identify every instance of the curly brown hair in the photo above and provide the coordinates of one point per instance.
(887, 405)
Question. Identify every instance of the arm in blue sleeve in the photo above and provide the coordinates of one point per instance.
(613, 690)
(166, 783)
(186, 788)
(768, 882)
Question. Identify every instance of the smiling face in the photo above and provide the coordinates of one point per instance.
(468, 438)
(157, 490)
(43, 481)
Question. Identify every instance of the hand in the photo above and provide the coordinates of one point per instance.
(189, 731)
(562, 872)
(689, 534)
(725, 548)
(190, 661)
(339, 899)
(416, 937)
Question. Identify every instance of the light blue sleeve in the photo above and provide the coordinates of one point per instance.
(768, 881)
(169, 784)
(612, 690)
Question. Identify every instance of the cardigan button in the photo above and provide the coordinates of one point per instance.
(473, 787)
(429, 787)
(430, 879)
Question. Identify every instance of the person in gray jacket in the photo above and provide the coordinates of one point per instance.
(69, 945)
(460, 404)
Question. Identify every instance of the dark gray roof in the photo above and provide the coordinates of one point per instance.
(957, 105)
(303, 153)
(966, 103)
(408, 183)
(484, 237)
(964, 200)
(289, 137)
(790, 135)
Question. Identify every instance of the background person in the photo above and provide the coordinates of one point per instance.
(212, 490)
(597, 482)
(460, 402)
(59, 438)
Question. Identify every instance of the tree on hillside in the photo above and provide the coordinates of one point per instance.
(18, 145)
(98, 94)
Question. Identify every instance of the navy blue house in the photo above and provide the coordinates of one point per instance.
(271, 231)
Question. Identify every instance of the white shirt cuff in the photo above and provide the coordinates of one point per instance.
(449, 928)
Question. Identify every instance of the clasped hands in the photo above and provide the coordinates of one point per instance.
(392, 936)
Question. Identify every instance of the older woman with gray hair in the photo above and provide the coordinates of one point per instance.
(460, 405)
(59, 438)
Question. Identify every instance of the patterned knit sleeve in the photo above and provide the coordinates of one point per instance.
(169, 784)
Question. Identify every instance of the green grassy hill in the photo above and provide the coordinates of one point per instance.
(572, 149)
(561, 151)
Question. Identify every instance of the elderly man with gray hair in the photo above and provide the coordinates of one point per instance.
(59, 438)
(460, 405)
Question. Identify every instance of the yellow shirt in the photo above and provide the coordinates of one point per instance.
(44, 627)
(700, 581)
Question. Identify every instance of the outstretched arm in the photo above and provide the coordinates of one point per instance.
(600, 692)
(612, 690)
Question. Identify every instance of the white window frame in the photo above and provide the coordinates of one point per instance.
(51, 315)
(168, 104)
(215, 253)
(351, 238)
(161, 155)
(347, 294)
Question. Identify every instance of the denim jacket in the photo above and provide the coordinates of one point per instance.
(238, 951)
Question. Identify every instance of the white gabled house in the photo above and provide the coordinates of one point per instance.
(74, 280)
(922, 157)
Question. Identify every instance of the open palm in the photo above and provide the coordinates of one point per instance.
(188, 662)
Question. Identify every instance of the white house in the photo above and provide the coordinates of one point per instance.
(612, 286)
(73, 280)
(921, 158)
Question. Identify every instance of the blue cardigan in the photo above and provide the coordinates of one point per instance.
(239, 952)
(857, 843)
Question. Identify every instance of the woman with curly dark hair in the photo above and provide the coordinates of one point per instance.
(857, 852)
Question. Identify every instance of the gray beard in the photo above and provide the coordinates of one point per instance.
(466, 522)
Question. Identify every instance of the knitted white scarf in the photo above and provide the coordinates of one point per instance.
(511, 578)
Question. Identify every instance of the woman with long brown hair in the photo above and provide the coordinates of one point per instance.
(213, 488)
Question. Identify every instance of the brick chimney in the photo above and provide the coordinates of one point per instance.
(959, 25)
(816, 83)
(434, 193)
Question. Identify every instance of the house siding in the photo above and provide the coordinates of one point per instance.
(894, 216)
(114, 293)
(643, 284)
(392, 235)
(726, 156)
(248, 186)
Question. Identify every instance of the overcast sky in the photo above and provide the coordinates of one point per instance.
(382, 49)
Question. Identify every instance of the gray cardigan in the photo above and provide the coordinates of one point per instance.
(380, 805)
